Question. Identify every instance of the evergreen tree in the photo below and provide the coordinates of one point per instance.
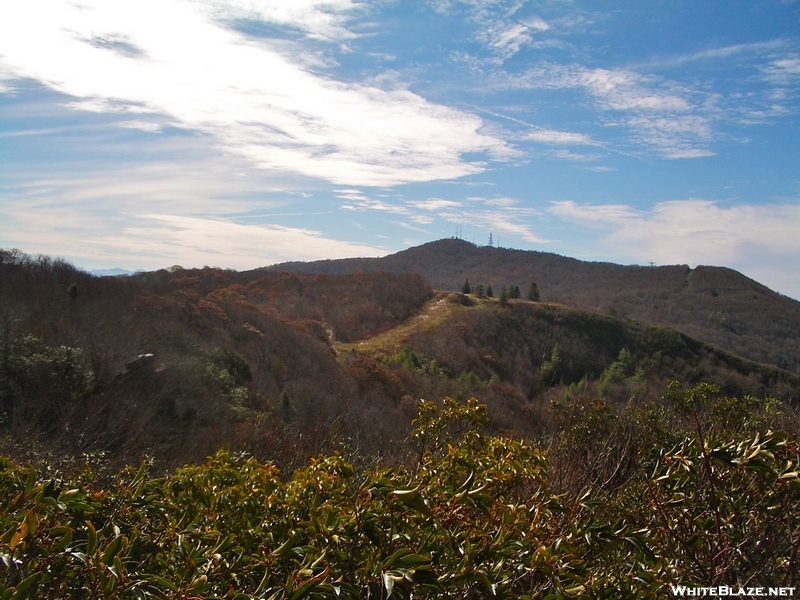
(287, 410)
(479, 291)
(489, 293)
(465, 289)
(503, 297)
(517, 294)
(533, 292)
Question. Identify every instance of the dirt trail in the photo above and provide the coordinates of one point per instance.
(433, 313)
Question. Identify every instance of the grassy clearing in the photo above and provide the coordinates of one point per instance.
(435, 312)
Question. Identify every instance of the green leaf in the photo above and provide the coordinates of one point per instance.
(21, 590)
(389, 563)
(112, 549)
(65, 540)
(413, 499)
(91, 538)
(158, 580)
(309, 585)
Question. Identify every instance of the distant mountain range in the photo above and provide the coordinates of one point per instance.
(111, 272)
(717, 305)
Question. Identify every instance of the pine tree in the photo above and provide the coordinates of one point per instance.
(465, 289)
(287, 410)
(533, 292)
(489, 292)
(503, 297)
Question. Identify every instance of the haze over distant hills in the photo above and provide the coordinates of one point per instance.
(715, 304)
(111, 272)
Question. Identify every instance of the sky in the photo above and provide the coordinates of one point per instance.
(243, 133)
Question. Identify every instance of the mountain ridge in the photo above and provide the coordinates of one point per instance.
(178, 362)
(717, 305)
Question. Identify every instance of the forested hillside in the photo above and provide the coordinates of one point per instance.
(713, 304)
(176, 363)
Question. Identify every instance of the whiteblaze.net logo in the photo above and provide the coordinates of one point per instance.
(724, 591)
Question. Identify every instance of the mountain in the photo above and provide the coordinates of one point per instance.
(177, 363)
(714, 304)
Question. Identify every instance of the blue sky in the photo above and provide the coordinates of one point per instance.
(242, 133)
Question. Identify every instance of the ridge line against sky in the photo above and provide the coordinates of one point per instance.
(244, 133)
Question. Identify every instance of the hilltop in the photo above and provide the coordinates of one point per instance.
(714, 304)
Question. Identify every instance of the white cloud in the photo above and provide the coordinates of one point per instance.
(502, 202)
(627, 90)
(248, 99)
(783, 71)
(156, 240)
(356, 200)
(506, 39)
(422, 219)
(507, 222)
(749, 238)
(570, 156)
(500, 214)
(497, 27)
(614, 89)
(536, 24)
(203, 184)
(676, 136)
(559, 138)
(321, 19)
(147, 126)
(660, 114)
(720, 53)
(435, 204)
(195, 241)
(593, 214)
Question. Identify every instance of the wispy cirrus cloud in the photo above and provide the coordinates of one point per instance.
(659, 113)
(783, 71)
(715, 54)
(499, 28)
(247, 98)
(500, 214)
(357, 200)
(591, 213)
(558, 138)
(435, 204)
(762, 78)
(505, 38)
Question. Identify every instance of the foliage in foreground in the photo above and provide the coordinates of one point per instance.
(472, 516)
